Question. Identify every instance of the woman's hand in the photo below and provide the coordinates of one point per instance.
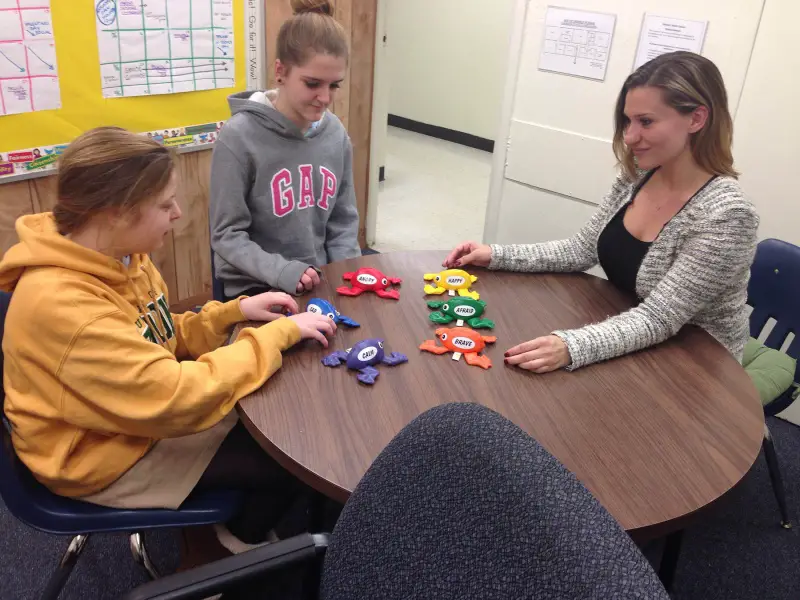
(542, 355)
(308, 281)
(469, 253)
(314, 326)
(262, 307)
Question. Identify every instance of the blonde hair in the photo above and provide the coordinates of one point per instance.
(108, 168)
(311, 30)
(687, 81)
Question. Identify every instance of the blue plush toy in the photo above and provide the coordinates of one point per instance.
(323, 307)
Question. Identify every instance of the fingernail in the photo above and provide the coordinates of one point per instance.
(506, 354)
(505, 360)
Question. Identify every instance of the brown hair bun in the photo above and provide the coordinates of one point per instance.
(323, 7)
(312, 30)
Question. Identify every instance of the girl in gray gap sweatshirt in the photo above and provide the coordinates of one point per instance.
(281, 200)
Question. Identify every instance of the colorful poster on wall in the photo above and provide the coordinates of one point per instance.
(28, 70)
(577, 42)
(43, 160)
(164, 46)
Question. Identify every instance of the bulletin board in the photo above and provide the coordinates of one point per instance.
(181, 119)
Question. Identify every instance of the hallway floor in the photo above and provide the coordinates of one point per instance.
(434, 195)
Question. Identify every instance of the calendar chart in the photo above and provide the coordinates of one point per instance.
(28, 69)
(150, 47)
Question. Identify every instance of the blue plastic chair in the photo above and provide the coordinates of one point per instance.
(774, 293)
(33, 504)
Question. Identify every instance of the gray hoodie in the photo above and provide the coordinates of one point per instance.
(281, 200)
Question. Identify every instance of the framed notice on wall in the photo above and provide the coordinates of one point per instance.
(577, 42)
(661, 35)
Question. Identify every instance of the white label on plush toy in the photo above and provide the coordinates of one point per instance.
(463, 342)
(455, 280)
(313, 308)
(367, 279)
(367, 353)
(456, 355)
(465, 311)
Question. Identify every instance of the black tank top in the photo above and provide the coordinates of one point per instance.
(620, 253)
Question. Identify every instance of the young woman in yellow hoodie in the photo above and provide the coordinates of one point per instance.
(111, 398)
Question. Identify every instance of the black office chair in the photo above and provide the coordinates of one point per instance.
(461, 504)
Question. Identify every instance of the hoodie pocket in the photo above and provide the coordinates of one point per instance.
(290, 236)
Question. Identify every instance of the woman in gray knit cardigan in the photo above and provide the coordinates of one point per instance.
(675, 229)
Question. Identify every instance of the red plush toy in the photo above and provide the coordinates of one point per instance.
(370, 280)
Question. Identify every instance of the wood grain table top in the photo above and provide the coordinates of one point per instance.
(655, 436)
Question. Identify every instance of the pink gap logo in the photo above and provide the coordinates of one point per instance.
(283, 193)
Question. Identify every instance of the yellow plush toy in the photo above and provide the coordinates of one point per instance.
(451, 281)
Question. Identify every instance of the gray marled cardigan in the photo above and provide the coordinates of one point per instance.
(695, 272)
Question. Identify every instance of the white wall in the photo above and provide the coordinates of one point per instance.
(380, 112)
(767, 130)
(447, 62)
(557, 163)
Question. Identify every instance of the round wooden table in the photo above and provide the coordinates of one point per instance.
(655, 435)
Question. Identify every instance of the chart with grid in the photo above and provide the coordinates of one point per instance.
(28, 70)
(152, 47)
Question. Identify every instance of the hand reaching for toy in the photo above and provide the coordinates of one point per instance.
(469, 253)
(542, 355)
(314, 326)
(262, 307)
(308, 281)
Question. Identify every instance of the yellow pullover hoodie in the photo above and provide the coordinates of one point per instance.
(97, 369)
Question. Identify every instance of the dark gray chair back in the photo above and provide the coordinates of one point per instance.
(464, 504)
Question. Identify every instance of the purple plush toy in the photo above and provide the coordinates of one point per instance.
(363, 357)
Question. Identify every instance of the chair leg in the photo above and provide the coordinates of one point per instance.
(140, 555)
(775, 477)
(316, 523)
(313, 579)
(316, 512)
(65, 566)
(669, 559)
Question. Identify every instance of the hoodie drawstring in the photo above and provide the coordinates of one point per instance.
(161, 336)
(152, 295)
